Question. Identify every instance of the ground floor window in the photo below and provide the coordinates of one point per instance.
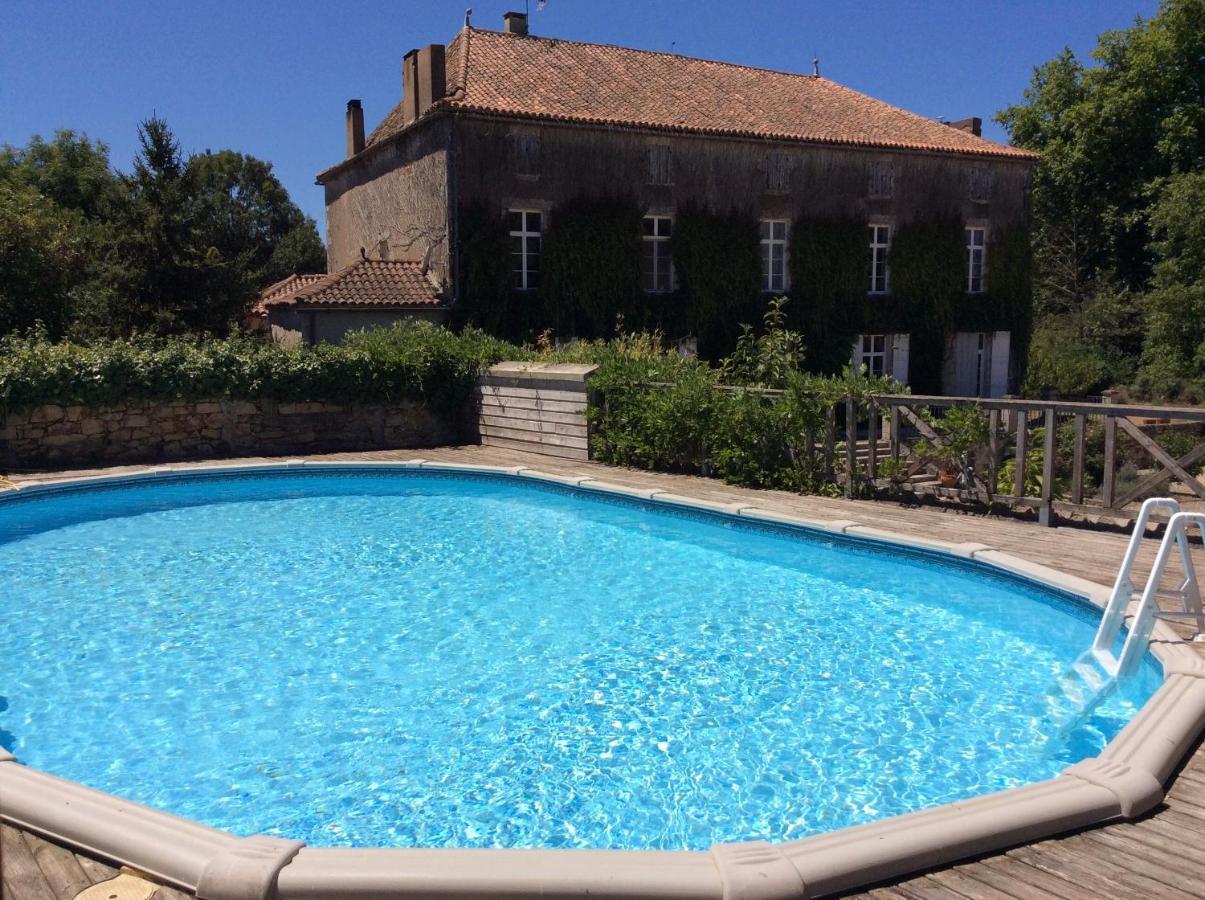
(873, 354)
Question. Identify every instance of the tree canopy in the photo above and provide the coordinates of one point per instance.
(1122, 145)
(179, 244)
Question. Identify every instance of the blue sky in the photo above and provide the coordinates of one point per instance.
(272, 78)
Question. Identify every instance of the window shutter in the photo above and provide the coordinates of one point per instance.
(855, 352)
(1001, 351)
(899, 357)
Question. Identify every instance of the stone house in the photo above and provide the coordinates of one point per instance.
(522, 125)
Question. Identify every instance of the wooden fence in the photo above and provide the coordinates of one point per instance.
(1056, 456)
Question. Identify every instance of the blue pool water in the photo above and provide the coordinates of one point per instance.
(407, 659)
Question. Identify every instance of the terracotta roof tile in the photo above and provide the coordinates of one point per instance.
(534, 77)
(366, 284)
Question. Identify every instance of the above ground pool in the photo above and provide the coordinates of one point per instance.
(411, 659)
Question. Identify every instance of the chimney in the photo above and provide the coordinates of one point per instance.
(974, 125)
(410, 108)
(515, 23)
(424, 80)
(355, 127)
(432, 76)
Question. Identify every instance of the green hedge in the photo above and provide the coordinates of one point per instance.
(412, 361)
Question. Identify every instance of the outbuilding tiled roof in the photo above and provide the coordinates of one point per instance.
(544, 78)
(366, 284)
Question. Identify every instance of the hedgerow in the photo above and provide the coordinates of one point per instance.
(413, 361)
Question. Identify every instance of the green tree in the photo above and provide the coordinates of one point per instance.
(1110, 135)
(1174, 355)
(40, 259)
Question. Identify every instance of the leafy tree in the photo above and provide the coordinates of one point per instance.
(1175, 341)
(1110, 135)
(178, 245)
(40, 256)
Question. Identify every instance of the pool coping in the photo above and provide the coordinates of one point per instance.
(1126, 780)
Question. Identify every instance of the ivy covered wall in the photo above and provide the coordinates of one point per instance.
(591, 279)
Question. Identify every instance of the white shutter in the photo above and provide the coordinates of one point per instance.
(855, 353)
(1001, 351)
(899, 356)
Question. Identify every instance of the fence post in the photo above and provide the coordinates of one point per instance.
(1022, 438)
(872, 437)
(895, 432)
(1048, 454)
(993, 449)
(830, 438)
(1077, 461)
(1109, 486)
(851, 439)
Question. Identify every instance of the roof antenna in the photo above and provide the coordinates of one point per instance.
(468, 16)
(815, 65)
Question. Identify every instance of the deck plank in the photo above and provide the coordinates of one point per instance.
(59, 867)
(1156, 856)
(21, 873)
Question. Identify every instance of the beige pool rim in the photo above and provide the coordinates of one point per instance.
(1126, 780)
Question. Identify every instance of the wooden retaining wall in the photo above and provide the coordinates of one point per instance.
(538, 407)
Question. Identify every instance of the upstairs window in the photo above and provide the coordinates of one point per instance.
(778, 173)
(656, 263)
(525, 155)
(882, 180)
(525, 226)
(976, 241)
(773, 255)
(880, 243)
(659, 165)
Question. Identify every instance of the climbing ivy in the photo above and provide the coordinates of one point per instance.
(926, 282)
(828, 260)
(718, 260)
(485, 298)
(591, 268)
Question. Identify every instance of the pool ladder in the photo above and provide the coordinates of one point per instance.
(1097, 671)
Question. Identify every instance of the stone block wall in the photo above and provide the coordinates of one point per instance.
(152, 431)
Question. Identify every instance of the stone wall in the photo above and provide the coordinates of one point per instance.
(150, 431)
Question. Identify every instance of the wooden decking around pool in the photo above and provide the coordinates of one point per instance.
(1161, 855)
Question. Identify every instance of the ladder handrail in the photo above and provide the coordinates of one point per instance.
(1144, 619)
(1123, 587)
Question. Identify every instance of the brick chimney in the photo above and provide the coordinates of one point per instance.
(355, 127)
(424, 80)
(974, 125)
(514, 23)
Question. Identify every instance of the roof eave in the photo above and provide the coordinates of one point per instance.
(437, 111)
(1006, 152)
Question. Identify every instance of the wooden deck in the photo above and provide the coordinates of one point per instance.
(1159, 856)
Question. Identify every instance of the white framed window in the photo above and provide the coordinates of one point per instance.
(526, 227)
(774, 255)
(880, 244)
(976, 243)
(873, 354)
(656, 260)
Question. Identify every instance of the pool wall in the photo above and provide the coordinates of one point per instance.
(1124, 781)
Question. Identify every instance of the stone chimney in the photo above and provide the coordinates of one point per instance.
(424, 80)
(355, 127)
(974, 125)
(514, 23)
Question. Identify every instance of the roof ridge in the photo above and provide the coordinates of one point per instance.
(703, 59)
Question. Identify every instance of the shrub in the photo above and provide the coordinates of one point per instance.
(411, 360)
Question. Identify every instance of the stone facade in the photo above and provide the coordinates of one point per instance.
(154, 431)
